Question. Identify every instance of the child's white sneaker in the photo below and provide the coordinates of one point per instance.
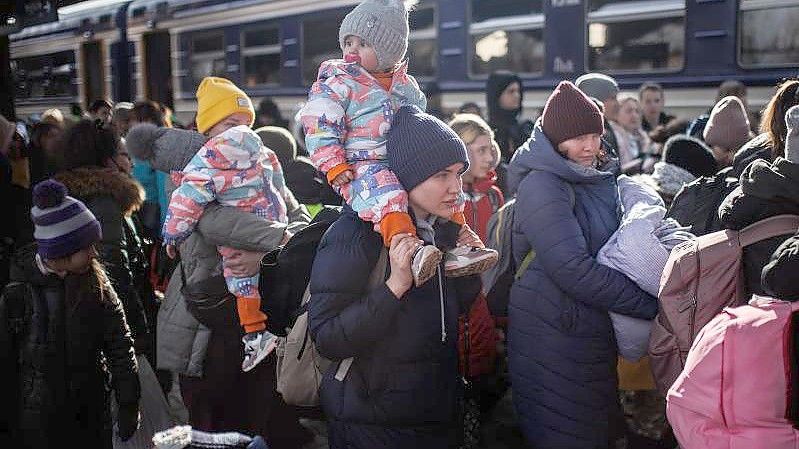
(424, 264)
(257, 345)
(468, 260)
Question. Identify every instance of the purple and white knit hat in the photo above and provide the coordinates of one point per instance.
(63, 225)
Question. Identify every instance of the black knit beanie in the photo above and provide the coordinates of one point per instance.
(690, 154)
(420, 145)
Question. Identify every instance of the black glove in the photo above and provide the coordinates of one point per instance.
(128, 421)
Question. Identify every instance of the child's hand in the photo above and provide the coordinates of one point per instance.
(171, 251)
(467, 237)
(343, 178)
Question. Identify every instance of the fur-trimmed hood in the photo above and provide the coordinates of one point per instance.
(85, 183)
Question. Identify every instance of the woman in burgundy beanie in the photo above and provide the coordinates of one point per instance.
(562, 352)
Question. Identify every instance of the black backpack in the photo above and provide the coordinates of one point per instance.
(286, 270)
(697, 203)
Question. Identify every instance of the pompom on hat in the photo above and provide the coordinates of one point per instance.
(690, 154)
(62, 225)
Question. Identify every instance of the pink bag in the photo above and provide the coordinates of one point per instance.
(733, 391)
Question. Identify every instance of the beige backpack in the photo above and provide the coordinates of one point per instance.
(300, 367)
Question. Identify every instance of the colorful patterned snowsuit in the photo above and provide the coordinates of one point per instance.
(346, 120)
(235, 169)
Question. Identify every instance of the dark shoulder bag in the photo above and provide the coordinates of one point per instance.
(210, 302)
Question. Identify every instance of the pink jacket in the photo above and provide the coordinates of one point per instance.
(733, 391)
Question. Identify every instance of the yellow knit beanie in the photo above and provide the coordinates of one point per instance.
(218, 98)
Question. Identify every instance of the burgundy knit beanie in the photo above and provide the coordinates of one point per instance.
(569, 113)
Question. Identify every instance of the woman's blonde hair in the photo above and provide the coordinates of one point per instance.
(471, 126)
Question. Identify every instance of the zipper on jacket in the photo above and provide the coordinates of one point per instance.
(441, 304)
(474, 216)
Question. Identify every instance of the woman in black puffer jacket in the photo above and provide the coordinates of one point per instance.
(766, 190)
(401, 390)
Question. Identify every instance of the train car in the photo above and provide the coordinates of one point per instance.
(273, 48)
(73, 61)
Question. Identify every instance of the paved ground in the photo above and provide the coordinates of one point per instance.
(499, 432)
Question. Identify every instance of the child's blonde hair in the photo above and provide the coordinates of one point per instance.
(471, 126)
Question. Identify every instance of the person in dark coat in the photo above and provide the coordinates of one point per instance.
(562, 351)
(728, 88)
(697, 204)
(653, 98)
(91, 175)
(779, 276)
(62, 333)
(402, 389)
(269, 114)
(766, 189)
(504, 96)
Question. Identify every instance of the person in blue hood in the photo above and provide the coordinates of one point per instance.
(402, 388)
(561, 348)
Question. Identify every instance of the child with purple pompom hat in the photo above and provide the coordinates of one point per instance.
(63, 335)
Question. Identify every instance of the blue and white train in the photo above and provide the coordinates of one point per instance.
(160, 49)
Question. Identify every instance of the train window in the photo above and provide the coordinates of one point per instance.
(259, 37)
(594, 5)
(260, 56)
(207, 56)
(506, 35)
(635, 36)
(319, 43)
(208, 42)
(261, 69)
(768, 36)
(45, 75)
(491, 9)
(422, 45)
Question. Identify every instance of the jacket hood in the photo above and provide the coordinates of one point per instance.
(335, 67)
(778, 181)
(24, 269)
(757, 148)
(495, 85)
(483, 185)
(88, 182)
(165, 149)
(539, 154)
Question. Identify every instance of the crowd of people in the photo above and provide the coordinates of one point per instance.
(512, 259)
